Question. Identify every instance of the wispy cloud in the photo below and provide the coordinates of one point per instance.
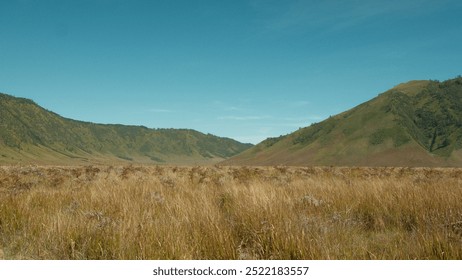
(157, 110)
(227, 106)
(233, 108)
(336, 14)
(301, 103)
(244, 118)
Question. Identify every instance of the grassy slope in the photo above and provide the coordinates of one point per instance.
(30, 133)
(414, 124)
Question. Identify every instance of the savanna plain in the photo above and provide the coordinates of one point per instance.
(223, 212)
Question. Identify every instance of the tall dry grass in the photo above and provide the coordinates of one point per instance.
(138, 212)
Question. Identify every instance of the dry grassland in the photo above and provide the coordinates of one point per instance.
(138, 212)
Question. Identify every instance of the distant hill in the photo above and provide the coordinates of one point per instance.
(31, 134)
(418, 123)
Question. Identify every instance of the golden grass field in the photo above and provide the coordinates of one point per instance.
(218, 212)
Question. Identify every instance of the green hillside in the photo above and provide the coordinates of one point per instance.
(418, 123)
(29, 133)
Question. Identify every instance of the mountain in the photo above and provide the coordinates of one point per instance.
(31, 134)
(418, 123)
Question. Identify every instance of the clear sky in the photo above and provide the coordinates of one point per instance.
(245, 69)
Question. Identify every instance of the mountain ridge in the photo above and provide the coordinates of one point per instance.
(418, 123)
(30, 133)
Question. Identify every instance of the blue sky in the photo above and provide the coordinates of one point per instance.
(245, 69)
